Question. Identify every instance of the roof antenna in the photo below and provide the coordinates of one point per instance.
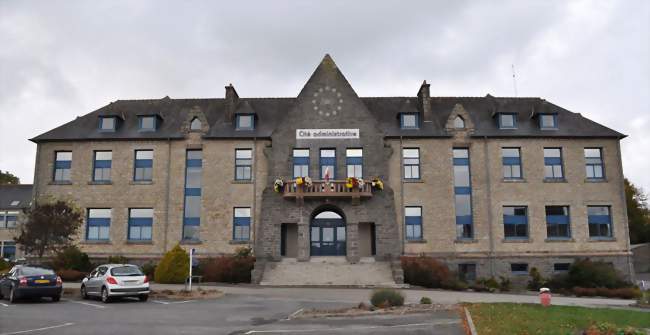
(514, 80)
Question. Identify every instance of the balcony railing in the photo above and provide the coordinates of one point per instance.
(319, 188)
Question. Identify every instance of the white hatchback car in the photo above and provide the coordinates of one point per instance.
(115, 280)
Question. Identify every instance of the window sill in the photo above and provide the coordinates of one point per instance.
(416, 241)
(60, 183)
(96, 242)
(413, 181)
(190, 242)
(595, 180)
(466, 241)
(514, 180)
(136, 242)
(100, 183)
(560, 239)
(242, 182)
(141, 182)
(555, 180)
(516, 240)
(602, 239)
(239, 242)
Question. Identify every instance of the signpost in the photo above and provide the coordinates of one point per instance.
(192, 251)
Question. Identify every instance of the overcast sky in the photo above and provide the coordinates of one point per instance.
(62, 59)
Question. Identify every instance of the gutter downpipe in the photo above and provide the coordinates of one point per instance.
(489, 200)
(167, 182)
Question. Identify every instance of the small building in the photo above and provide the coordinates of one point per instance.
(13, 200)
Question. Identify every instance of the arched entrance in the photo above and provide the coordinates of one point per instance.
(327, 234)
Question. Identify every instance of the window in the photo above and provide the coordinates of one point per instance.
(462, 194)
(241, 224)
(8, 250)
(557, 222)
(507, 121)
(243, 164)
(459, 123)
(147, 123)
(467, 272)
(193, 181)
(354, 162)
(413, 221)
(547, 121)
(519, 268)
(328, 163)
(515, 222)
(411, 163)
(300, 163)
(594, 163)
(561, 267)
(600, 221)
(102, 166)
(14, 203)
(143, 165)
(140, 222)
(107, 123)
(8, 219)
(409, 120)
(511, 163)
(245, 122)
(195, 125)
(62, 165)
(553, 163)
(98, 224)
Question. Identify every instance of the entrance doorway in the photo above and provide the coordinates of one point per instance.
(327, 234)
(289, 240)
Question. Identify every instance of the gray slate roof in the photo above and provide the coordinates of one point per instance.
(10, 193)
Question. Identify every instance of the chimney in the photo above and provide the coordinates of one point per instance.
(232, 99)
(424, 99)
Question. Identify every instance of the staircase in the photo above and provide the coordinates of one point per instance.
(328, 271)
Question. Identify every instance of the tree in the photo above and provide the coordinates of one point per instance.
(49, 227)
(6, 178)
(638, 213)
(174, 267)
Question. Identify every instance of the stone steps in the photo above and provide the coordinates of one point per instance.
(328, 271)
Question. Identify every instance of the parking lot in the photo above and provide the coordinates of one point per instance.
(230, 314)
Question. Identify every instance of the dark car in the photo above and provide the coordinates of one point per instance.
(24, 281)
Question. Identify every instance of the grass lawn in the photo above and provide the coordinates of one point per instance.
(508, 318)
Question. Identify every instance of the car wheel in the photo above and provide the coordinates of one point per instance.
(143, 297)
(12, 295)
(84, 294)
(56, 298)
(105, 297)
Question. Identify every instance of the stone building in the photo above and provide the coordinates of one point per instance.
(13, 200)
(493, 186)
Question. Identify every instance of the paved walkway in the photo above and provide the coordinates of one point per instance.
(356, 295)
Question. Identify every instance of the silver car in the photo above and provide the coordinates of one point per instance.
(115, 280)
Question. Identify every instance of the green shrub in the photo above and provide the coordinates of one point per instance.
(4, 265)
(536, 280)
(71, 275)
(425, 271)
(644, 299)
(425, 301)
(117, 259)
(386, 297)
(504, 284)
(243, 252)
(622, 293)
(228, 269)
(585, 273)
(174, 267)
(71, 258)
(149, 269)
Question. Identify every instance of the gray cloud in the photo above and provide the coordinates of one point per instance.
(61, 59)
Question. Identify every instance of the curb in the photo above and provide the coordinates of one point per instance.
(470, 323)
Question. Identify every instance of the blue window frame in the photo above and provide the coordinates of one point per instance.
(98, 224)
(558, 222)
(553, 169)
(354, 162)
(561, 267)
(600, 222)
(507, 121)
(241, 224)
(594, 164)
(8, 250)
(8, 219)
(413, 222)
(327, 163)
(515, 222)
(193, 182)
(409, 120)
(511, 158)
(102, 166)
(300, 163)
(245, 122)
(143, 167)
(548, 121)
(519, 268)
(243, 164)
(463, 194)
(147, 123)
(140, 224)
(107, 123)
(62, 165)
(411, 159)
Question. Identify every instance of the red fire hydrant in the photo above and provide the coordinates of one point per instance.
(545, 296)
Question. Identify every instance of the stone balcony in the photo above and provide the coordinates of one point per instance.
(322, 189)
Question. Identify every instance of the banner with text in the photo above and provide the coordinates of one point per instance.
(325, 134)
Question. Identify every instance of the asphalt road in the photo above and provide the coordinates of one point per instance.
(230, 314)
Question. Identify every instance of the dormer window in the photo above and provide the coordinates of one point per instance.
(195, 125)
(107, 123)
(507, 121)
(409, 121)
(147, 123)
(245, 122)
(15, 203)
(459, 123)
(548, 121)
